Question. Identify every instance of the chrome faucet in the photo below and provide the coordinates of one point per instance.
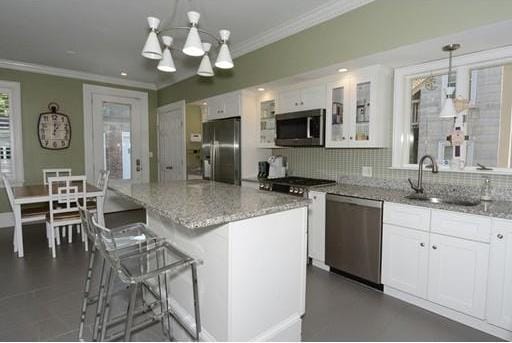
(419, 187)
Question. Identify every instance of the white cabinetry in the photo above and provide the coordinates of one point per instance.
(458, 274)
(405, 259)
(224, 106)
(499, 305)
(301, 99)
(359, 109)
(267, 125)
(316, 229)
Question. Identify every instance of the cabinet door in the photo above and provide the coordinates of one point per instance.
(312, 98)
(405, 259)
(316, 226)
(361, 114)
(499, 304)
(289, 101)
(267, 124)
(231, 106)
(337, 125)
(215, 108)
(458, 274)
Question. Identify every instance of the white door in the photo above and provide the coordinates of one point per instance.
(499, 303)
(171, 142)
(458, 274)
(116, 137)
(405, 259)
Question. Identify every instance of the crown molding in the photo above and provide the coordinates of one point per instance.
(74, 74)
(329, 10)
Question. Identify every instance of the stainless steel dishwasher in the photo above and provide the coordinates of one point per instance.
(353, 236)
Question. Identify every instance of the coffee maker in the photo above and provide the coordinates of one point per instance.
(263, 167)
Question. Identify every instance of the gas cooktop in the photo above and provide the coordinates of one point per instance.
(292, 184)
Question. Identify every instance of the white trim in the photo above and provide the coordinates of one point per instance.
(401, 109)
(14, 90)
(74, 74)
(88, 92)
(327, 11)
(473, 322)
(166, 108)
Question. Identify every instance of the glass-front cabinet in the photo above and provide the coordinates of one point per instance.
(359, 109)
(267, 123)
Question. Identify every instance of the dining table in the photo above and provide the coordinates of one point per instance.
(39, 194)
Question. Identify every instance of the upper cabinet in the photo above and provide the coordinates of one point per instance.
(267, 123)
(359, 109)
(224, 106)
(301, 99)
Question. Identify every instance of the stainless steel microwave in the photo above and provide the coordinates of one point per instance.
(303, 128)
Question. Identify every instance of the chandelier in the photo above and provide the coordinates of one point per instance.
(194, 46)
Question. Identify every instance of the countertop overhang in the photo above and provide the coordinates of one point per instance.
(198, 204)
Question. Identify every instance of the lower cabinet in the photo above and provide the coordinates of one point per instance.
(457, 276)
(405, 259)
(499, 305)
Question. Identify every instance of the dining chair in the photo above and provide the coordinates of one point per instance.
(65, 195)
(32, 214)
(51, 172)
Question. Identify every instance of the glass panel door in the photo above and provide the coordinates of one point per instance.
(117, 139)
(268, 122)
(362, 111)
(338, 130)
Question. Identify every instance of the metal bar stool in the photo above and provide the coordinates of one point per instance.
(146, 266)
(127, 236)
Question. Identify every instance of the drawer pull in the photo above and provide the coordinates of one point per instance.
(434, 247)
(500, 236)
(422, 245)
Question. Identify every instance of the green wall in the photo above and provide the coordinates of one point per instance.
(37, 90)
(376, 27)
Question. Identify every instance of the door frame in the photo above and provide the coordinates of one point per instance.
(88, 92)
(166, 108)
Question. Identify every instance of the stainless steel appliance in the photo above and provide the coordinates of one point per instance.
(353, 237)
(220, 153)
(293, 185)
(303, 128)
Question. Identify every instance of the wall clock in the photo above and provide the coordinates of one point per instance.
(54, 129)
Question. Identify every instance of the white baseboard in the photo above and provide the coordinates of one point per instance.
(289, 330)
(320, 264)
(476, 323)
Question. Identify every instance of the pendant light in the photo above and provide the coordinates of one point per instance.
(152, 48)
(167, 63)
(224, 60)
(193, 45)
(448, 110)
(205, 68)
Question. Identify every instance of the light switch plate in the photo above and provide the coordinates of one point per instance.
(367, 171)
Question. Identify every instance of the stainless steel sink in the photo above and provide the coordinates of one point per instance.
(437, 200)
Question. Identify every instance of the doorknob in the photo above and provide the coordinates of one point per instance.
(168, 167)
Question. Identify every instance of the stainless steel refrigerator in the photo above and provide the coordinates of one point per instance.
(220, 153)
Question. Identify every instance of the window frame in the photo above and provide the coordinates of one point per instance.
(14, 90)
(462, 66)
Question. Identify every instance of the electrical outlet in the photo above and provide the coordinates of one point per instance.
(367, 171)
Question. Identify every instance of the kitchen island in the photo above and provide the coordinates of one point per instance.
(253, 248)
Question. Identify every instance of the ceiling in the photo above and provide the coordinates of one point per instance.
(105, 37)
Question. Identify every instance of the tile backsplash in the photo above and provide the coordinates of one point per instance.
(335, 163)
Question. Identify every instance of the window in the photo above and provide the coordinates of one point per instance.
(481, 134)
(11, 150)
(117, 139)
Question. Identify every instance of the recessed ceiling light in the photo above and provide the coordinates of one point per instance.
(342, 70)
(71, 52)
(261, 89)
(124, 73)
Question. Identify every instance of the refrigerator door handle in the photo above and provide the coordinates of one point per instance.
(308, 134)
(212, 160)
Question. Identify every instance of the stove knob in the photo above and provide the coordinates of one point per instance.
(295, 190)
(290, 190)
(262, 186)
(301, 190)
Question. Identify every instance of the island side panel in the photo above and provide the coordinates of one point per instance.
(267, 276)
(211, 246)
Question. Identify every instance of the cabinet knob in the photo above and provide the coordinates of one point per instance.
(342, 138)
(302, 103)
(434, 247)
(500, 236)
(350, 137)
(422, 244)
(296, 104)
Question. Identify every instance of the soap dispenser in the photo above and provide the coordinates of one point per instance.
(486, 190)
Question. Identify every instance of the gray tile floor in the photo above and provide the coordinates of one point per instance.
(40, 299)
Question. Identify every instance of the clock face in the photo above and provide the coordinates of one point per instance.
(54, 131)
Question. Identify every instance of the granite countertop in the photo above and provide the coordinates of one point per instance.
(199, 203)
(497, 209)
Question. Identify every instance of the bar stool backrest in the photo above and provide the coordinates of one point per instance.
(102, 181)
(106, 242)
(86, 218)
(55, 172)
